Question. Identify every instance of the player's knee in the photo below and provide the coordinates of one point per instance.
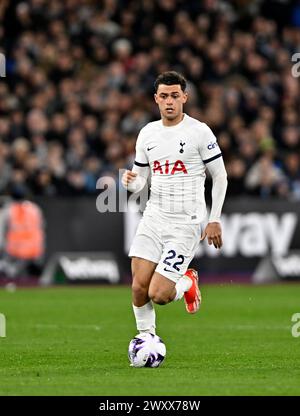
(159, 297)
(139, 289)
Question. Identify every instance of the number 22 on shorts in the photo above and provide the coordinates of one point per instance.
(171, 256)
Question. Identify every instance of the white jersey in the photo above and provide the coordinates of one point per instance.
(177, 157)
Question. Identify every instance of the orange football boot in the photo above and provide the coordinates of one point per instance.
(192, 297)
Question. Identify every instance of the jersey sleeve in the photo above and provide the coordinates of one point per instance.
(209, 148)
(219, 177)
(140, 166)
(141, 158)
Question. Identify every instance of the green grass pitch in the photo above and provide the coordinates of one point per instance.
(74, 340)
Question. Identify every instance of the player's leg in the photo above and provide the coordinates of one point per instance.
(163, 290)
(172, 279)
(145, 252)
(142, 271)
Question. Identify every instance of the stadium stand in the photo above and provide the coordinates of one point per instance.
(80, 78)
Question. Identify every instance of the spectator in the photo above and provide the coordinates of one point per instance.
(292, 171)
(264, 177)
(23, 238)
(236, 169)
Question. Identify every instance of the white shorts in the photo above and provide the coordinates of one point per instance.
(171, 246)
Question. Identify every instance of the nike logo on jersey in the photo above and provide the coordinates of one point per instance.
(150, 148)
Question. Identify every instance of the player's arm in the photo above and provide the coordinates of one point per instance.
(212, 158)
(213, 230)
(135, 180)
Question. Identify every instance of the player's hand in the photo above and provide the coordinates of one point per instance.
(213, 232)
(128, 177)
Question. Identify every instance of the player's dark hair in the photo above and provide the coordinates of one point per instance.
(170, 78)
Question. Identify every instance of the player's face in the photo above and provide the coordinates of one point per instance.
(170, 100)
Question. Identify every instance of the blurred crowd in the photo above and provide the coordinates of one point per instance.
(79, 87)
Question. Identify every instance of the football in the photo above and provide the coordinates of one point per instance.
(146, 350)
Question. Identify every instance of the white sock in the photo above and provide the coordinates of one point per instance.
(183, 285)
(145, 317)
